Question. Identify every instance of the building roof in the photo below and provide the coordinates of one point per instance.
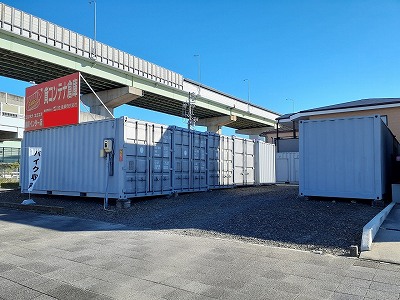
(357, 103)
(285, 116)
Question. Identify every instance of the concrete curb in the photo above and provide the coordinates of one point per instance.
(372, 227)
(36, 208)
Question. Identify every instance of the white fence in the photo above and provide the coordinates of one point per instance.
(287, 167)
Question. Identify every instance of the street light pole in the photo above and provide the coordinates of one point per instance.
(94, 50)
(198, 71)
(292, 103)
(248, 94)
(198, 67)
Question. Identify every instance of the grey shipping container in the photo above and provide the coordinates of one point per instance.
(149, 159)
(346, 157)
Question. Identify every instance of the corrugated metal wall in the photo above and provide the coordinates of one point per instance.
(149, 159)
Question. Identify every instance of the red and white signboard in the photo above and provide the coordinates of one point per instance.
(53, 103)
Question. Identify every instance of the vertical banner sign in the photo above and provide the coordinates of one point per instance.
(35, 164)
(53, 103)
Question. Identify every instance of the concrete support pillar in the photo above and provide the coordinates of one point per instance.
(214, 124)
(254, 133)
(88, 117)
(111, 98)
(257, 137)
(214, 128)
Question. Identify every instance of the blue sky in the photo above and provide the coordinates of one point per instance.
(314, 52)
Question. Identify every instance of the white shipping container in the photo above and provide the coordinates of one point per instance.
(264, 162)
(346, 157)
(148, 159)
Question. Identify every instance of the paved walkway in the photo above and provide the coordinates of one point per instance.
(47, 257)
(386, 245)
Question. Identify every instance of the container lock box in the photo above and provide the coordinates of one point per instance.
(108, 145)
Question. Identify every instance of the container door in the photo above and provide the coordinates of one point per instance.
(203, 162)
(213, 160)
(136, 166)
(249, 162)
(161, 159)
(195, 182)
(226, 162)
(136, 162)
(239, 161)
(181, 154)
(199, 164)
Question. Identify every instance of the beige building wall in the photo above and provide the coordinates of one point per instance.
(393, 117)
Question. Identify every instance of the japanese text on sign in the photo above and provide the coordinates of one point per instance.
(35, 163)
(53, 103)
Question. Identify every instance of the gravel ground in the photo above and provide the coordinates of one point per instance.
(271, 215)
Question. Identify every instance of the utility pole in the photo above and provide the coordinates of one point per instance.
(188, 111)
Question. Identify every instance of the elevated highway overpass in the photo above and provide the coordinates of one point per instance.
(33, 49)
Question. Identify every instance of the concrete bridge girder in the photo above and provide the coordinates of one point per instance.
(254, 133)
(214, 124)
(111, 99)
